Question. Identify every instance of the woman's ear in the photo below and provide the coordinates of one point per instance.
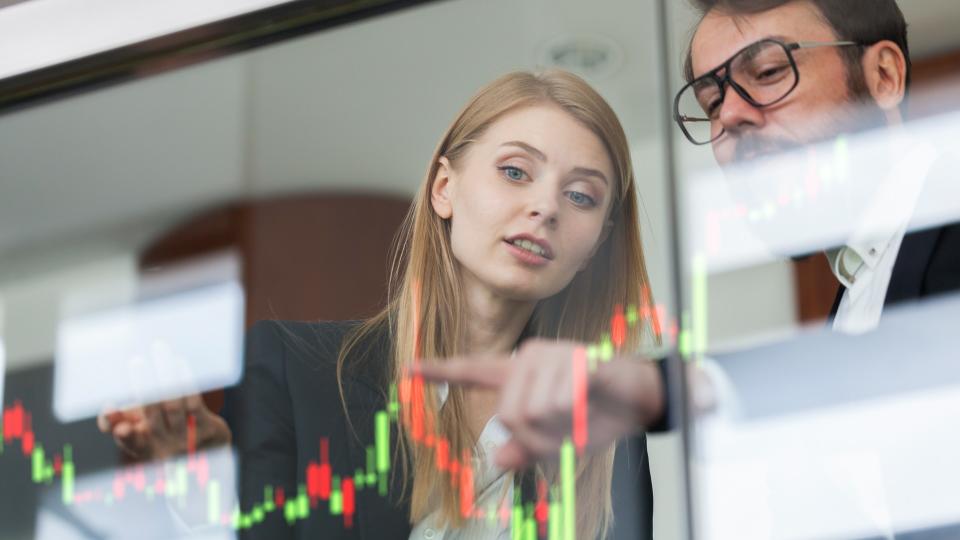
(440, 190)
(885, 72)
(604, 234)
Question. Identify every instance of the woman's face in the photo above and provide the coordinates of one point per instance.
(528, 202)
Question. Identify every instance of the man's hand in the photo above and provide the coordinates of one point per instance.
(536, 388)
(159, 430)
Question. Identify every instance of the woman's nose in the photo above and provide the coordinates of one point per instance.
(544, 207)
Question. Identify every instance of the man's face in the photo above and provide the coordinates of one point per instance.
(820, 107)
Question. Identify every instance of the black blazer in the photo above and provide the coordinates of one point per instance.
(286, 402)
(288, 399)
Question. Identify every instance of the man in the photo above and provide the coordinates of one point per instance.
(813, 43)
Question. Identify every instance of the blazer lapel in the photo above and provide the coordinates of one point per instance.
(836, 303)
(910, 268)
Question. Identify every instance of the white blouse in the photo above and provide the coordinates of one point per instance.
(491, 484)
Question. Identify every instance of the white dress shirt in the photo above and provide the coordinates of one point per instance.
(865, 264)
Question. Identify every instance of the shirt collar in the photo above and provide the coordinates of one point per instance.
(850, 261)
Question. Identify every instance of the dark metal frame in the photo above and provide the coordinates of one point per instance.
(187, 47)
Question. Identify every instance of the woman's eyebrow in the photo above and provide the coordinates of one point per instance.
(581, 171)
(520, 144)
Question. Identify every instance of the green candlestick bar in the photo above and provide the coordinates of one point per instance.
(382, 441)
(38, 464)
(336, 498)
(606, 348)
(66, 473)
(268, 503)
(303, 503)
(516, 516)
(393, 407)
(554, 520)
(371, 476)
(213, 501)
(290, 511)
(529, 524)
(568, 489)
(359, 478)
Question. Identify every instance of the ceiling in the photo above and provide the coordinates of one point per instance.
(359, 107)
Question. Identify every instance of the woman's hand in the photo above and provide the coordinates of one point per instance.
(537, 400)
(159, 430)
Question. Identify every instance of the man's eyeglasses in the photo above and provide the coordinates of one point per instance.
(762, 73)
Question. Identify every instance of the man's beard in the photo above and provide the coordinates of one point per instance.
(856, 117)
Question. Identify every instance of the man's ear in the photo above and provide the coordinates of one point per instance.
(604, 234)
(441, 189)
(885, 72)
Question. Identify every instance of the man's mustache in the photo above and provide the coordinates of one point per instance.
(858, 118)
(752, 146)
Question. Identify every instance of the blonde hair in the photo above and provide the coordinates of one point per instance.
(425, 279)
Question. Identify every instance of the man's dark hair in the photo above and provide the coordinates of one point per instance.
(862, 21)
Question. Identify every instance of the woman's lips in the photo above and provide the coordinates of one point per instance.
(539, 246)
(526, 256)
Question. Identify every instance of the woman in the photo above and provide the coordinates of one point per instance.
(525, 226)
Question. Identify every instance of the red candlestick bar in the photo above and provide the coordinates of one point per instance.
(580, 399)
(349, 504)
(325, 474)
(542, 510)
(618, 328)
(443, 454)
(466, 485)
(191, 434)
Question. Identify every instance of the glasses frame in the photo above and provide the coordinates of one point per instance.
(726, 80)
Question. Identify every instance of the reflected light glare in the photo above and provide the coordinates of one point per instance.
(179, 344)
(806, 200)
(48, 32)
(852, 431)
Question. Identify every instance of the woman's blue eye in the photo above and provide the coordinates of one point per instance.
(513, 173)
(581, 199)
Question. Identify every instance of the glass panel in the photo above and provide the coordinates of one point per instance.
(299, 161)
(811, 407)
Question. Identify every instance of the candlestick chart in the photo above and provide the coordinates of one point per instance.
(187, 480)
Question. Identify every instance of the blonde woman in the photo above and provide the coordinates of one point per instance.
(526, 226)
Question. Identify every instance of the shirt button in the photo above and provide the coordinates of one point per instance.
(429, 534)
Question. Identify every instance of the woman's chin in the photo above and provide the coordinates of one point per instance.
(527, 291)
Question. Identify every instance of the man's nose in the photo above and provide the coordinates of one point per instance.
(737, 114)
